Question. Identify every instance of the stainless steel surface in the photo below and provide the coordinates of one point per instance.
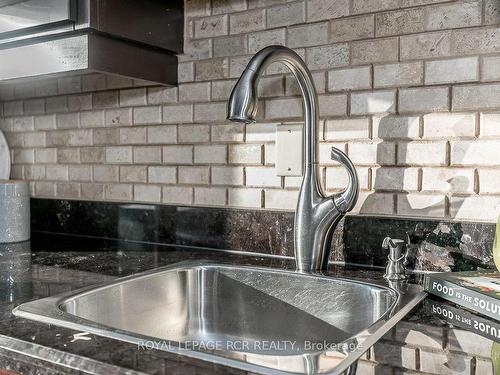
(14, 211)
(134, 39)
(23, 15)
(231, 315)
(395, 269)
(316, 215)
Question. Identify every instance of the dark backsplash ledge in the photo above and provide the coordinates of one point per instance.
(436, 245)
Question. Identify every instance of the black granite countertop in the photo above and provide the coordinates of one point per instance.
(424, 342)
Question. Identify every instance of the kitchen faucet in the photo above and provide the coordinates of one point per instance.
(316, 215)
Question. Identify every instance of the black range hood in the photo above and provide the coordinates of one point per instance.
(131, 38)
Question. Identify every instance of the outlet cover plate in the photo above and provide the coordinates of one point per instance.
(289, 150)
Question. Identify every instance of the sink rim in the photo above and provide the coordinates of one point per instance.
(49, 310)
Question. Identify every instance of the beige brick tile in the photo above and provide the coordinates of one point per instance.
(372, 153)
(133, 97)
(92, 119)
(106, 136)
(210, 196)
(104, 99)
(283, 108)
(193, 175)
(420, 204)
(406, 21)
(33, 172)
(237, 65)
(44, 122)
(451, 71)
(162, 95)
(396, 127)
(259, 40)
(472, 97)
(347, 129)
(483, 208)
(35, 106)
(373, 102)
(57, 172)
(241, 197)
(246, 22)
(490, 124)
(332, 105)
(444, 363)
(177, 114)
(46, 155)
(177, 195)
(37, 139)
(227, 133)
(93, 82)
(423, 99)
(457, 180)
(262, 177)
(230, 46)
(193, 133)
(449, 125)
(210, 154)
(227, 176)
(245, 154)
(80, 173)
(194, 92)
(349, 79)
(328, 57)
(162, 175)
(196, 50)
(307, 35)
(93, 154)
(261, 132)
(207, 27)
(45, 189)
(271, 86)
(92, 191)
(133, 173)
(475, 41)
(221, 90)
(223, 6)
(375, 203)
(147, 115)
(318, 10)
(118, 117)
(490, 68)
(211, 69)
(119, 154)
(80, 102)
(26, 123)
(395, 178)
(281, 199)
(475, 153)
(147, 155)
(425, 46)
(467, 342)
(178, 155)
(210, 112)
(133, 135)
(286, 14)
(68, 190)
(337, 179)
(147, 193)
(325, 152)
(352, 28)
(68, 155)
(164, 134)
(399, 74)
(422, 153)
(374, 51)
(448, 16)
(106, 173)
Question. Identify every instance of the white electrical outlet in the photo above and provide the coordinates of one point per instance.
(289, 150)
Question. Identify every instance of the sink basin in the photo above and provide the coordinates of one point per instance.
(257, 319)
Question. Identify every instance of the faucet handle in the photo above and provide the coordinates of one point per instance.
(346, 200)
(395, 269)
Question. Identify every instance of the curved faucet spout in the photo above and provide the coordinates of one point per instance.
(316, 215)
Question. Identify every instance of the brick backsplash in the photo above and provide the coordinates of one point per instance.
(409, 89)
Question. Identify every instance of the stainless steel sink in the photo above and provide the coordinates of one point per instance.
(257, 319)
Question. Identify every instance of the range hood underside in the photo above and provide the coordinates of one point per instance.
(86, 52)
